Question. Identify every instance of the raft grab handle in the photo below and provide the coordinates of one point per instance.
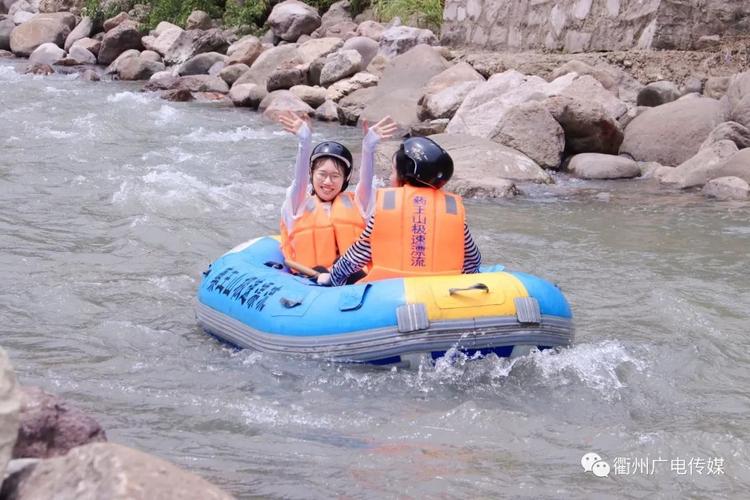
(527, 310)
(477, 286)
(412, 317)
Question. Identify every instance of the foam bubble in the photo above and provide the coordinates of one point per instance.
(137, 97)
(238, 134)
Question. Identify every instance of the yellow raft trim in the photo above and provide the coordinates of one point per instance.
(434, 293)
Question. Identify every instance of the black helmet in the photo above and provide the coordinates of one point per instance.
(421, 161)
(334, 150)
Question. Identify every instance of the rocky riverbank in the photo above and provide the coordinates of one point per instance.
(679, 119)
(50, 449)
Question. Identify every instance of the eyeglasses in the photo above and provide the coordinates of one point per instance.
(334, 177)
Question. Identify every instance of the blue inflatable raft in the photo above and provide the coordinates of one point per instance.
(248, 299)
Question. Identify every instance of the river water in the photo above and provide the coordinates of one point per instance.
(113, 202)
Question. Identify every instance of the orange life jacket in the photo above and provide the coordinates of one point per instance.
(317, 238)
(418, 231)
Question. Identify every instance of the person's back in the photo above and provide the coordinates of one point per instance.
(418, 231)
(417, 228)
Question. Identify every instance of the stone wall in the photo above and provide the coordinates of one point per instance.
(592, 25)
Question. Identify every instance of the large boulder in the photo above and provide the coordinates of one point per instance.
(247, 95)
(73, 6)
(599, 166)
(43, 28)
(138, 68)
(702, 167)
(400, 39)
(267, 62)
(727, 188)
(115, 21)
(338, 15)
(164, 41)
(200, 64)
(400, 87)
(531, 129)
(201, 83)
(9, 411)
(588, 127)
(732, 131)
(343, 88)
(231, 74)
(716, 86)
(370, 29)
(198, 20)
(367, 48)
(46, 53)
(81, 31)
(314, 96)
(83, 56)
(606, 77)
(112, 69)
(658, 93)
(741, 112)
(316, 48)
(589, 89)
(738, 88)
(6, 27)
(445, 91)
(340, 65)
(51, 427)
(671, 133)
(350, 108)
(282, 101)
(475, 158)
(124, 36)
(111, 471)
(291, 18)
(192, 42)
(244, 51)
(89, 44)
(327, 112)
(286, 76)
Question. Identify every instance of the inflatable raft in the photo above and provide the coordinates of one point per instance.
(248, 298)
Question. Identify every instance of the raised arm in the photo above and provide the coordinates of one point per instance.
(298, 190)
(384, 129)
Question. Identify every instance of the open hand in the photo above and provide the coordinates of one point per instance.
(384, 129)
(324, 279)
(292, 122)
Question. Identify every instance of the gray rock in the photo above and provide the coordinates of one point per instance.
(738, 89)
(51, 427)
(327, 112)
(89, 75)
(691, 85)
(83, 30)
(124, 36)
(680, 126)
(477, 158)
(82, 55)
(701, 168)
(658, 93)
(282, 101)
(43, 28)
(343, 30)
(727, 188)
(337, 21)
(588, 127)
(46, 53)
(150, 55)
(198, 20)
(114, 472)
(192, 42)
(599, 166)
(287, 76)
(39, 69)
(200, 64)
(89, 44)
(587, 88)
(291, 18)
(314, 49)
(216, 68)
(604, 76)
(244, 51)
(732, 131)
(367, 48)
(400, 39)
(22, 17)
(400, 87)
(6, 27)
(314, 96)
(177, 95)
(5, 54)
(343, 88)
(138, 68)
(114, 22)
(737, 165)
(231, 74)
(202, 83)
(340, 65)
(370, 29)
(445, 92)
(741, 111)
(485, 188)
(9, 411)
(112, 68)
(165, 41)
(429, 127)
(649, 168)
(247, 95)
(162, 27)
(531, 129)
(716, 86)
(352, 106)
(267, 63)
